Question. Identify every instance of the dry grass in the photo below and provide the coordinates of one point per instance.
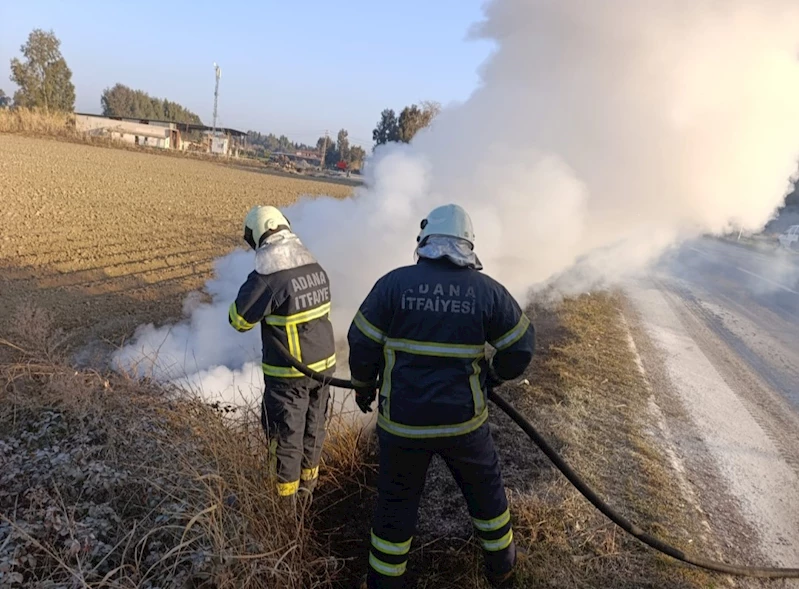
(37, 122)
(107, 482)
(588, 397)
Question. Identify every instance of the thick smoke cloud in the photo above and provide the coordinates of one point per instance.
(601, 133)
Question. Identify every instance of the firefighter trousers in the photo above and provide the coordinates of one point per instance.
(473, 461)
(293, 416)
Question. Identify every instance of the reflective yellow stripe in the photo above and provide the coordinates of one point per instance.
(305, 316)
(385, 388)
(477, 392)
(436, 348)
(435, 431)
(497, 545)
(309, 474)
(390, 570)
(513, 336)
(290, 322)
(285, 489)
(396, 548)
(369, 330)
(291, 372)
(491, 525)
(293, 338)
(237, 321)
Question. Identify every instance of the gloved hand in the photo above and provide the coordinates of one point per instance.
(364, 397)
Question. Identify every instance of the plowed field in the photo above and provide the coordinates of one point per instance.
(108, 239)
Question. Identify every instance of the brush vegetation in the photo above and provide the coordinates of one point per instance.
(110, 482)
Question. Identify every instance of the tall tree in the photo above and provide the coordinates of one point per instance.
(387, 128)
(44, 79)
(413, 119)
(343, 146)
(431, 107)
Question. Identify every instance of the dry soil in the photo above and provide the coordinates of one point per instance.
(108, 239)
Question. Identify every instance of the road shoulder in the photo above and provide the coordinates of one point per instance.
(733, 465)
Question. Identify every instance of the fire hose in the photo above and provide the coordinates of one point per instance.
(608, 511)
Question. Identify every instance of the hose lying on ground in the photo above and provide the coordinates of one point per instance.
(608, 511)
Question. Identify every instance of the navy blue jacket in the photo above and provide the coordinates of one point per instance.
(422, 332)
(289, 295)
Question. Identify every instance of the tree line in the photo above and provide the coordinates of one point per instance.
(335, 151)
(45, 81)
(121, 101)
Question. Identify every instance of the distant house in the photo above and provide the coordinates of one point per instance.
(161, 134)
(313, 158)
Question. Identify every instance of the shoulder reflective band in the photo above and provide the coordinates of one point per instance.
(237, 321)
(389, 570)
(513, 336)
(310, 315)
(436, 349)
(432, 431)
(369, 330)
(492, 525)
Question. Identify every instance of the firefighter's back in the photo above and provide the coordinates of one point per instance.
(434, 364)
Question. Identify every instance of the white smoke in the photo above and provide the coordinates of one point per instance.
(601, 133)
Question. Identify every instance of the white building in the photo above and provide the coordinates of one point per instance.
(162, 134)
(139, 132)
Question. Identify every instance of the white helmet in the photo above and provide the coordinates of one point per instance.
(449, 220)
(261, 222)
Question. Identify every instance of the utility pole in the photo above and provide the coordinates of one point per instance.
(324, 151)
(218, 73)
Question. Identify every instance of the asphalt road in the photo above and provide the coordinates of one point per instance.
(717, 327)
(750, 299)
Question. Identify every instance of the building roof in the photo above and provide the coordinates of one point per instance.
(179, 126)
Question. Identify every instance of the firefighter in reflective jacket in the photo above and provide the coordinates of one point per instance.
(289, 295)
(422, 332)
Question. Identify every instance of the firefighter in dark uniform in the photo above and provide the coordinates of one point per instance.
(289, 295)
(421, 332)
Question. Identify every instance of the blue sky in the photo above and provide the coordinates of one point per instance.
(295, 68)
